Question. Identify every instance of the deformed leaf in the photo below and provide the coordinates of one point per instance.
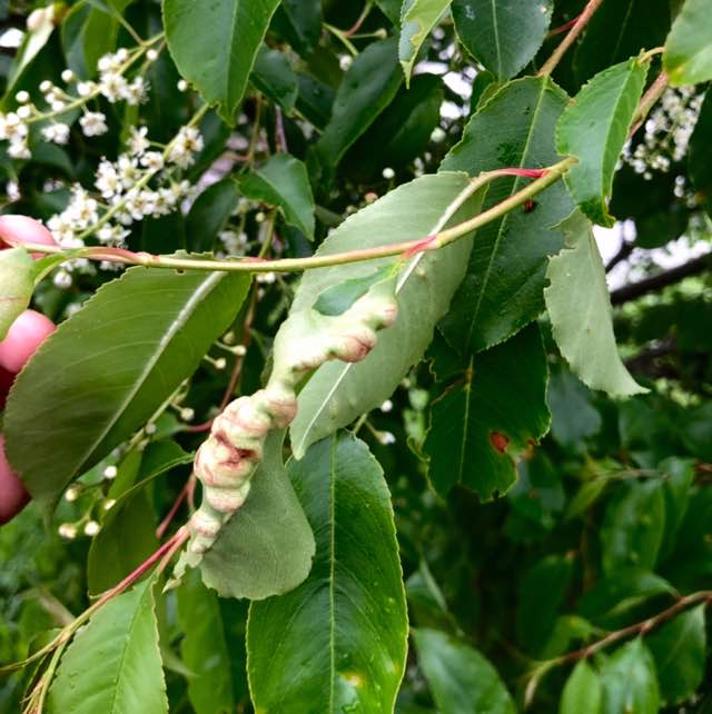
(418, 17)
(106, 370)
(338, 393)
(504, 35)
(16, 286)
(579, 307)
(483, 424)
(337, 299)
(114, 664)
(215, 44)
(461, 679)
(267, 547)
(594, 129)
(283, 181)
(688, 48)
(339, 641)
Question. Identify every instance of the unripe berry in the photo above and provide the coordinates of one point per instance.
(13, 496)
(23, 229)
(25, 335)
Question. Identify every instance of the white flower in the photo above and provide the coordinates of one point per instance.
(12, 127)
(186, 143)
(19, 149)
(182, 85)
(152, 160)
(140, 203)
(12, 189)
(112, 62)
(68, 531)
(266, 278)
(91, 528)
(129, 172)
(82, 210)
(57, 133)
(94, 124)
(234, 242)
(152, 55)
(61, 228)
(345, 61)
(136, 92)
(138, 143)
(113, 86)
(110, 234)
(67, 76)
(111, 472)
(24, 112)
(84, 89)
(62, 280)
(108, 181)
(388, 173)
(22, 97)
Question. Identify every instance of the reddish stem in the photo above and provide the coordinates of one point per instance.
(166, 522)
(563, 28)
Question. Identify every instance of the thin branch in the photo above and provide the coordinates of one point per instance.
(573, 33)
(631, 292)
(625, 250)
(548, 177)
(639, 628)
(648, 101)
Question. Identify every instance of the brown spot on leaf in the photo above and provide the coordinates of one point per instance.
(499, 441)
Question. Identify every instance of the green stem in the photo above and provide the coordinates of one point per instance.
(341, 36)
(288, 265)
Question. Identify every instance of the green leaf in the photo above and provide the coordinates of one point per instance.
(128, 530)
(502, 290)
(209, 215)
(579, 307)
(300, 22)
(582, 692)
(338, 642)
(338, 393)
(215, 44)
(699, 163)
(573, 417)
(204, 648)
(283, 181)
(418, 18)
(688, 48)
(107, 369)
(274, 76)
(16, 286)
(594, 129)
(542, 592)
(391, 9)
(127, 538)
(366, 90)
(337, 299)
(633, 526)
(619, 30)
(629, 681)
(482, 426)
(679, 648)
(113, 664)
(504, 35)
(268, 547)
(402, 131)
(461, 679)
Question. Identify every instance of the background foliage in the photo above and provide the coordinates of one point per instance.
(522, 516)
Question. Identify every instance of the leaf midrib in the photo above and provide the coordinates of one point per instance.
(504, 221)
(210, 282)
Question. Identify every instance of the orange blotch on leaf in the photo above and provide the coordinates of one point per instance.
(499, 441)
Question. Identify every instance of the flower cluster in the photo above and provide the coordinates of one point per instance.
(667, 132)
(59, 101)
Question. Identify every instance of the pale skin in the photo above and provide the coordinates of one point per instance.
(25, 336)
